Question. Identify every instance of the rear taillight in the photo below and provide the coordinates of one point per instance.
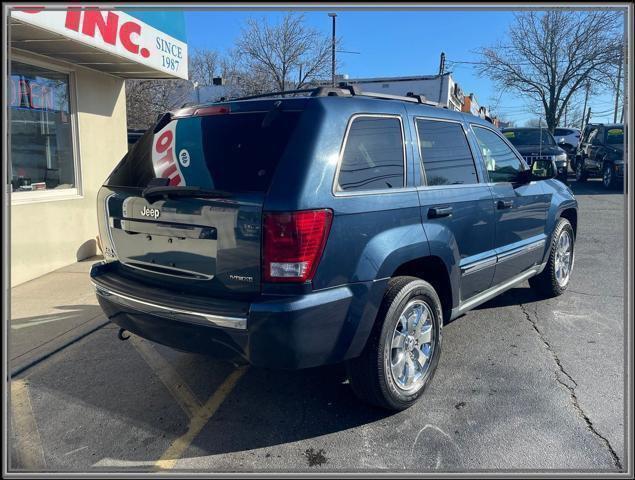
(293, 243)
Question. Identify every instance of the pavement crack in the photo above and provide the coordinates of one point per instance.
(567, 381)
(587, 294)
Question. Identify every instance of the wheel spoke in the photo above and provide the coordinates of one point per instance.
(403, 321)
(398, 368)
(409, 371)
(421, 359)
(425, 336)
(398, 340)
(422, 321)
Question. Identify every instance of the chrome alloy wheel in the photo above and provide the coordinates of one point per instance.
(412, 346)
(564, 258)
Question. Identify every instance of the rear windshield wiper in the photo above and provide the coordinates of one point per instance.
(185, 191)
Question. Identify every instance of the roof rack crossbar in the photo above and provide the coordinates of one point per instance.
(343, 89)
(274, 94)
(410, 96)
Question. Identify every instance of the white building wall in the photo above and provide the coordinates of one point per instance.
(49, 234)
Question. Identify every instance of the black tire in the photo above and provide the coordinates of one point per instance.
(370, 374)
(580, 174)
(546, 283)
(608, 178)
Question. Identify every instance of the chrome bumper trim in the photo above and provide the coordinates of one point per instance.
(199, 318)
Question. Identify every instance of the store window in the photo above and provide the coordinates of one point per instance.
(42, 157)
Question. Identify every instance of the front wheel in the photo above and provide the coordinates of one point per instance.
(403, 349)
(554, 279)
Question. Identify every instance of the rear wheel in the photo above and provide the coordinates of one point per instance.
(608, 178)
(403, 350)
(554, 279)
(580, 173)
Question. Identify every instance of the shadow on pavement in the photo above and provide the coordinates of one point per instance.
(593, 186)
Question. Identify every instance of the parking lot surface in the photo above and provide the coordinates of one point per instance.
(523, 383)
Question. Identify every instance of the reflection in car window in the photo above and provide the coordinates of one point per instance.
(529, 136)
(373, 157)
(615, 136)
(445, 153)
(501, 162)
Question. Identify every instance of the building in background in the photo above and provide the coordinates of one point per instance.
(442, 89)
(67, 119)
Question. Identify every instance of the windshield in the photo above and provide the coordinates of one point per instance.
(615, 136)
(529, 137)
(231, 152)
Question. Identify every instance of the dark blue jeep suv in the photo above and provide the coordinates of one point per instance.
(306, 228)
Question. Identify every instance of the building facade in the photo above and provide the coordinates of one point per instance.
(442, 89)
(67, 120)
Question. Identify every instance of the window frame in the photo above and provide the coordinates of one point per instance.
(507, 142)
(345, 193)
(424, 179)
(18, 198)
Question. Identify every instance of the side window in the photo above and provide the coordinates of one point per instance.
(373, 156)
(592, 135)
(502, 163)
(445, 153)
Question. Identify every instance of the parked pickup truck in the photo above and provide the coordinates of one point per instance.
(601, 154)
(323, 226)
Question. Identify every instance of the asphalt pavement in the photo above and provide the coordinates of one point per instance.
(523, 384)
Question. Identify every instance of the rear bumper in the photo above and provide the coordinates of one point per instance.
(323, 327)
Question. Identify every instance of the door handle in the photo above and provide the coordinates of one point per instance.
(438, 212)
(503, 204)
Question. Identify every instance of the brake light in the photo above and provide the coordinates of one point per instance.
(216, 110)
(293, 243)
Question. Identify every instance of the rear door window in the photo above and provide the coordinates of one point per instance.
(373, 157)
(231, 151)
(445, 154)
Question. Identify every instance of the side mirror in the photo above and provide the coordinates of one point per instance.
(543, 170)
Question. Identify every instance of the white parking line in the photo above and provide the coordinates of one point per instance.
(26, 435)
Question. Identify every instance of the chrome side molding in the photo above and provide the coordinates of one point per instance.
(199, 318)
(490, 293)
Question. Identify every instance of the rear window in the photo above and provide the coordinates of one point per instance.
(231, 152)
(615, 136)
(373, 157)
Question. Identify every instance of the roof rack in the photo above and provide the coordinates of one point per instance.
(343, 89)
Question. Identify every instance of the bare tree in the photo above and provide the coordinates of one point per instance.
(535, 122)
(146, 99)
(285, 56)
(550, 55)
(204, 66)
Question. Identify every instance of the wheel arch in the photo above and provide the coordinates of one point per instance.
(433, 270)
(571, 214)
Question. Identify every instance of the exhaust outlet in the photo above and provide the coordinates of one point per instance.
(122, 334)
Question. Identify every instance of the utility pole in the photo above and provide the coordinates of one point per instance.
(586, 98)
(333, 15)
(617, 89)
(588, 117)
(441, 72)
(566, 107)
